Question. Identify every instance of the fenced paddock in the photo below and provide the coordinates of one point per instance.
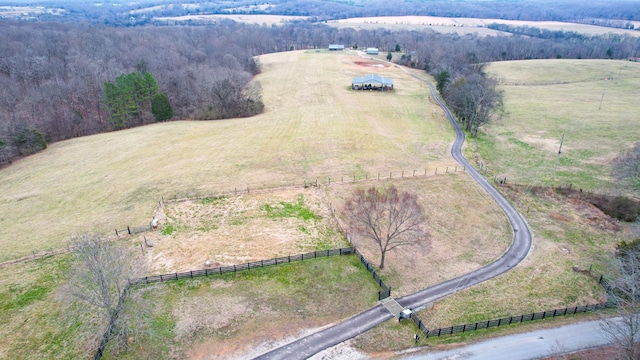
(247, 266)
(385, 291)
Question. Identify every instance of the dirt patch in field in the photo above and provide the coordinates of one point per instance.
(373, 64)
(240, 229)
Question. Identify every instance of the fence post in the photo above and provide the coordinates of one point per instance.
(414, 173)
(117, 233)
(206, 272)
(436, 171)
(160, 278)
(129, 230)
(329, 181)
(389, 175)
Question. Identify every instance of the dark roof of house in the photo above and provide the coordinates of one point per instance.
(372, 78)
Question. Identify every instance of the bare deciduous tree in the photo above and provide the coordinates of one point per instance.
(388, 217)
(625, 291)
(100, 276)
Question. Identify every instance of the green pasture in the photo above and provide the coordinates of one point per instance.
(593, 102)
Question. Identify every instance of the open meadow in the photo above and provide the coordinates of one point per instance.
(314, 126)
(593, 102)
(469, 25)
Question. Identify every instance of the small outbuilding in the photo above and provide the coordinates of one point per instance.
(372, 51)
(372, 82)
(336, 47)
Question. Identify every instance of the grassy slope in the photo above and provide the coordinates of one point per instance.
(313, 127)
(543, 100)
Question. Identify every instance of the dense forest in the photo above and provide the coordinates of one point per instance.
(64, 80)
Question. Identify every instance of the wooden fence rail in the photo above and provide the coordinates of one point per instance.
(385, 291)
(241, 267)
(507, 320)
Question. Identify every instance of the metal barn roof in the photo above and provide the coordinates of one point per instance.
(372, 78)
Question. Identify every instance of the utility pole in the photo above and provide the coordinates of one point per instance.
(558, 157)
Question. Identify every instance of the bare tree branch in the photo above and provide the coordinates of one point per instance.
(625, 292)
(100, 277)
(388, 217)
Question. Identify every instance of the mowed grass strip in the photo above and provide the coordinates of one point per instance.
(244, 314)
(546, 98)
(314, 126)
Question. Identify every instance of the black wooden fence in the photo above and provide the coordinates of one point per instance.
(131, 230)
(241, 267)
(385, 291)
(520, 318)
(507, 320)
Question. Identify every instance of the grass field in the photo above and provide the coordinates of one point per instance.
(249, 19)
(546, 98)
(468, 25)
(98, 183)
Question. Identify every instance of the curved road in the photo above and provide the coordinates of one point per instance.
(312, 344)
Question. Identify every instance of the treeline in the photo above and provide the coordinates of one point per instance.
(614, 13)
(59, 81)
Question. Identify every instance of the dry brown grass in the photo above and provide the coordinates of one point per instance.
(243, 18)
(567, 234)
(98, 183)
(466, 231)
(470, 25)
(237, 229)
